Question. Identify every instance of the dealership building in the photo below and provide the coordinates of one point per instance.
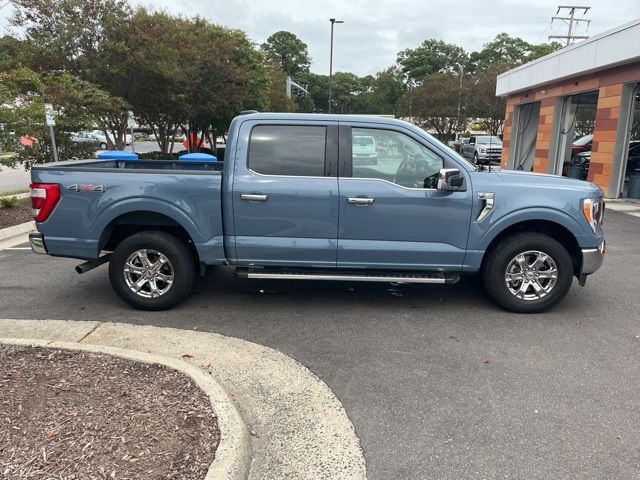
(576, 112)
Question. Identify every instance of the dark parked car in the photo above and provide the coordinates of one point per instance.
(583, 160)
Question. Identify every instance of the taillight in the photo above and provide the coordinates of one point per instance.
(44, 197)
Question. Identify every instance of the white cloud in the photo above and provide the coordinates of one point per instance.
(375, 30)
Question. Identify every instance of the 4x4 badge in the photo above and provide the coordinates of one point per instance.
(85, 187)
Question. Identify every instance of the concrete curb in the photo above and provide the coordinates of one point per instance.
(298, 427)
(231, 460)
(15, 235)
(17, 195)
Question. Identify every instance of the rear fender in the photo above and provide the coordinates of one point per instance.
(132, 205)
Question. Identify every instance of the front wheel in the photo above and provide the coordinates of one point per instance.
(528, 272)
(103, 146)
(152, 270)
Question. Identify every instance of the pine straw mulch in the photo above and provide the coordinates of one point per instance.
(21, 213)
(75, 415)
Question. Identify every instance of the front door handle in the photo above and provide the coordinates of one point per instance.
(254, 197)
(360, 200)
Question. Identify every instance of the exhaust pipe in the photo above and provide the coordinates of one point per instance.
(91, 264)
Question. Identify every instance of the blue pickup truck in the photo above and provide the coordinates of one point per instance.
(292, 201)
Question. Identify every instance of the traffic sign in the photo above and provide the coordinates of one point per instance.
(48, 115)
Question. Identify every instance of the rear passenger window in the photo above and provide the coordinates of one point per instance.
(287, 150)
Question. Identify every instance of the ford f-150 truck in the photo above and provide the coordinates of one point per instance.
(290, 201)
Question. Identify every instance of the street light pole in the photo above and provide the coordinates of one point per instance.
(333, 21)
(460, 94)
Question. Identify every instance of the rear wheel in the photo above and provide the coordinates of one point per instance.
(152, 270)
(528, 272)
(103, 146)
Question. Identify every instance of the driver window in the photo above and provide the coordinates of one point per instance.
(393, 156)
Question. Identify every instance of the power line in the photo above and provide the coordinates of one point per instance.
(570, 20)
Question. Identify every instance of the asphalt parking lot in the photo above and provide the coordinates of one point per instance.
(438, 381)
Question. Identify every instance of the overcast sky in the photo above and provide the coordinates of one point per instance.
(375, 30)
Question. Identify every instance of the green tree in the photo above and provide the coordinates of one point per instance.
(87, 38)
(289, 51)
(432, 56)
(14, 53)
(508, 51)
(278, 101)
(318, 87)
(222, 74)
(433, 105)
(23, 94)
(385, 89)
(73, 35)
(155, 58)
(347, 89)
(482, 102)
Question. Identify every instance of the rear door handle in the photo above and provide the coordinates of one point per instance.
(254, 197)
(360, 200)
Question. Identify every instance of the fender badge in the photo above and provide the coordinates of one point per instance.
(84, 187)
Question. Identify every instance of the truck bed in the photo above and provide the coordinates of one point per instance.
(152, 166)
(98, 195)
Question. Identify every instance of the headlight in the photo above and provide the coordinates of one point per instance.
(593, 211)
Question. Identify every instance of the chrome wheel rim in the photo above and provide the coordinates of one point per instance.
(531, 275)
(148, 273)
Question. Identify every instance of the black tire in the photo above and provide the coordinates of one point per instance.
(103, 146)
(180, 266)
(475, 158)
(500, 258)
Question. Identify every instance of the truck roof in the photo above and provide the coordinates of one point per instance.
(324, 117)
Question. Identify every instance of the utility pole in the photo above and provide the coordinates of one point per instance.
(333, 21)
(570, 20)
(50, 121)
(461, 67)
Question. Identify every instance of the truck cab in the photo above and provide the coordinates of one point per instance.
(295, 200)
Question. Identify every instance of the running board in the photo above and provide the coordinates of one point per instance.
(388, 277)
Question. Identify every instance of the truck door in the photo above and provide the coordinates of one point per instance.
(391, 215)
(285, 194)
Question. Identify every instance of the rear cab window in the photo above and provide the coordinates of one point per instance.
(288, 150)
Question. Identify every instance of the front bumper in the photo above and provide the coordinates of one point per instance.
(592, 259)
(36, 240)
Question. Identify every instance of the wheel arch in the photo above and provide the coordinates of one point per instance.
(131, 222)
(552, 228)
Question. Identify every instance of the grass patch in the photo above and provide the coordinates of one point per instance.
(8, 202)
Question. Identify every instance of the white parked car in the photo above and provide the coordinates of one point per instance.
(365, 149)
(101, 139)
(80, 137)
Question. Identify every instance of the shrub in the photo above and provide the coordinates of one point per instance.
(8, 202)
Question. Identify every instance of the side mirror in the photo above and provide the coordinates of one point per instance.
(450, 180)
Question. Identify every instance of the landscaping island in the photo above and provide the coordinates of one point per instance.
(68, 414)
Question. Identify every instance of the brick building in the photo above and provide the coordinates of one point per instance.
(589, 88)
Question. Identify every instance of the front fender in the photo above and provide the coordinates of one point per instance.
(484, 232)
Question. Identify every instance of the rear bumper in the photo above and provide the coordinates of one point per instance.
(592, 259)
(36, 240)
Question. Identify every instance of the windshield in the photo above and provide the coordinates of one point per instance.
(492, 140)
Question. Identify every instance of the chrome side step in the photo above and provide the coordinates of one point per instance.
(390, 277)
